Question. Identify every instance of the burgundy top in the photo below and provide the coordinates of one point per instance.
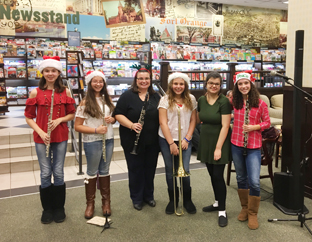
(39, 108)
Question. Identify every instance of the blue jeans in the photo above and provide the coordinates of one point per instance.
(94, 155)
(247, 169)
(48, 166)
(186, 156)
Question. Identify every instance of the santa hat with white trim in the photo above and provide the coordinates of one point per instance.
(179, 75)
(244, 75)
(91, 74)
(53, 62)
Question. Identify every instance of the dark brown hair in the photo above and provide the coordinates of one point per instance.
(253, 97)
(134, 85)
(214, 75)
(58, 84)
(91, 106)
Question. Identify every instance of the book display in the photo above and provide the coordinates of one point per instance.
(3, 99)
(22, 56)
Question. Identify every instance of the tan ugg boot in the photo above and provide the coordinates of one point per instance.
(243, 197)
(105, 192)
(253, 206)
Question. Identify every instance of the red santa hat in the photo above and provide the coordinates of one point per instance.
(91, 74)
(179, 75)
(51, 62)
(244, 75)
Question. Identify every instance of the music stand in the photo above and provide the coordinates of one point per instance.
(301, 215)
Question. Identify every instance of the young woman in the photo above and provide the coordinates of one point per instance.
(141, 166)
(214, 111)
(89, 121)
(251, 117)
(178, 96)
(38, 106)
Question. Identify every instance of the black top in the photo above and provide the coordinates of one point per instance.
(130, 105)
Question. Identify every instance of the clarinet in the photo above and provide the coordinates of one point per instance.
(246, 122)
(104, 135)
(49, 120)
(141, 121)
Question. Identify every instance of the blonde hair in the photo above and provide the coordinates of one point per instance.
(185, 96)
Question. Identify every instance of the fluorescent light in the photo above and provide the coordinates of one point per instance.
(286, 2)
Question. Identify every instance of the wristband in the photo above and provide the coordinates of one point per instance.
(171, 143)
(95, 130)
(188, 141)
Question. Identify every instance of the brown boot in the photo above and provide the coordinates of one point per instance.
(105, 192)
(90, 196)
(243, 197)
(253, 206)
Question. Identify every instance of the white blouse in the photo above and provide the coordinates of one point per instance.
(95, 122)
(172, 116)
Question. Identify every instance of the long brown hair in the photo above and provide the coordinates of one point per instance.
(253, 97)
(185, 96)
(58, 84)
(134, 85)
(92, 108)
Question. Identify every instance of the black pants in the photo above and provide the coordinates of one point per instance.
(141, 171)
(216, 173)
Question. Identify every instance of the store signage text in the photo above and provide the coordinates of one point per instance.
(38, 16)
(241, 12)
(183, 21)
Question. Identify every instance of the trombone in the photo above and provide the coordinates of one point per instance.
(180, 173)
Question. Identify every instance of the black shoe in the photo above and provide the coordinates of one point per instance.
(151, 203)
(137, 206)
(210, 208)
(223, 221)
(59, 215)
(47, 216)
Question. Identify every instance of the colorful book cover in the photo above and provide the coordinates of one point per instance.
(240, 56)
(11, 72)
(133, 55)
(11, 92)
(21, 92)
(2, 86)
(106, 54)
(119, 54)
(72, 70)
(3, 101)
(112, 54)
(21, 72)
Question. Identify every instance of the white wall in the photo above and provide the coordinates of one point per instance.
(300, 18)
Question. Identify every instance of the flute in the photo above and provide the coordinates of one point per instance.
(246, 122)
(104, 135)
(141, 121)
(49, 120)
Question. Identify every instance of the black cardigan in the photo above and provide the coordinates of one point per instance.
(130, 105)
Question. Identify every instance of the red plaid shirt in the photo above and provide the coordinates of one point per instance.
(259, 116)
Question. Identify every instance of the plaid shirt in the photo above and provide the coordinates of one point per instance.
(259, 116)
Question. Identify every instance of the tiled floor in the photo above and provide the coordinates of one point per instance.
(28, 182)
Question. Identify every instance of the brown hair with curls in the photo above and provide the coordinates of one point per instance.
(253, 97)
(92, 108)
(58, 84)
(185, 95)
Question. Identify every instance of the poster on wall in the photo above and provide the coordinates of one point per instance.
(242, 25)
(119, 13)
(205, 10)
(157, 30)
(191, 34)
(156, 8)
(183, 8)
(217, 25)
(128, 33)
(84, 7)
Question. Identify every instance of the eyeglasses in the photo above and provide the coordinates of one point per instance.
(213, 84)
(142, 79)
(97, 82)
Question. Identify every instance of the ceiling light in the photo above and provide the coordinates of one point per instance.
(286, 2)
